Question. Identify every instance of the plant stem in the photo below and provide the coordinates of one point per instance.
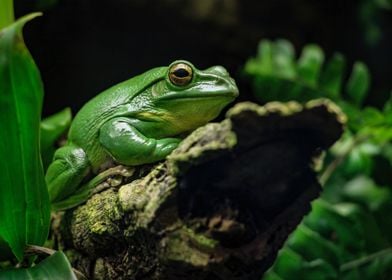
(38, 250)
(337, 161)
(364, 260)
(6, 13)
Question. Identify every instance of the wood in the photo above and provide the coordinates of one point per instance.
(220, 206)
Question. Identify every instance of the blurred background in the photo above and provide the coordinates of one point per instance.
(84, 46)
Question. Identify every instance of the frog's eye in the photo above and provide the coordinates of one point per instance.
(180, 74)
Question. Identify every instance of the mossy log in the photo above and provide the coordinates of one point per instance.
(219, 207)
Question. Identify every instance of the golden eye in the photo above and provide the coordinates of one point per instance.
(180, 74)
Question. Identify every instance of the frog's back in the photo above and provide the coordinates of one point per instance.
(106, 105)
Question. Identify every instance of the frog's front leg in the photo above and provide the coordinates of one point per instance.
(129, 146)
(64, 175)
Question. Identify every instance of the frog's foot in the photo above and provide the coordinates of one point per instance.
(111, 177)
(64, 175)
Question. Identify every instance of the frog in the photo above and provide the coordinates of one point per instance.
(135, 122)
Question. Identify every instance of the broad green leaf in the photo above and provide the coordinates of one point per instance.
(6, 13)
(52, 128)
(24, 201)
(55, 266)
(358, 83)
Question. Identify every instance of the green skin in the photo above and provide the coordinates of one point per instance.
(135, 122)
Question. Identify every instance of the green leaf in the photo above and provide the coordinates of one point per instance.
(332, 77)
(24, 201)
(363, 190)
(288, 262)
(309, 64)
(52, 128)
(373, 237)
(265, 57)
(388, 107)
(319, 269)
(54, 267)
(277, 76)
(283, 56)
(332, 225)
(358, 83)
(310, 245)
(271, 275)
(6, 13)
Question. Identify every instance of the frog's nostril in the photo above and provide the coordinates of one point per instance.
(219, 70)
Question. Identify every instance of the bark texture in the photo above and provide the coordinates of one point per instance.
(219, 207)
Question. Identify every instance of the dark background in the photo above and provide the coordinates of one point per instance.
(85, 46)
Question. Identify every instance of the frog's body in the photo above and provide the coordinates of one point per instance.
(136, 121)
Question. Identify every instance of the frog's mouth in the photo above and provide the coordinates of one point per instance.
(226, 90)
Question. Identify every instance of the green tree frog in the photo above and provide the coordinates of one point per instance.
(136, 122)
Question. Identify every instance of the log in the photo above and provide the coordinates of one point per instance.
(219, 207)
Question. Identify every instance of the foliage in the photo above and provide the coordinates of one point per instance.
(54, 267)
(24, 206)
(348, 234)
(24, 199)
(6, 13)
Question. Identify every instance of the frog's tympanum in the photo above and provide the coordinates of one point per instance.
(137, 122)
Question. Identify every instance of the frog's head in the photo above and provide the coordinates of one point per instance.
(187, 97)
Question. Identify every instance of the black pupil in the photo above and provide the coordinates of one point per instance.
(181, 73)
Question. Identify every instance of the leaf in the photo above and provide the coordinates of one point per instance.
(277, 76)
(288, 261)
(283, 56)
(55, 266)
(52, 128)
(373, 237)
(319, 269)
(352, 221)
(358, 83)
(309, 64)
(310, 245)
(6, 13)
(332, 77)
(24, 200)
(363, 190)
(332, 225)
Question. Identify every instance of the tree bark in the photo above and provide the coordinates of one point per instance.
(219, 207)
